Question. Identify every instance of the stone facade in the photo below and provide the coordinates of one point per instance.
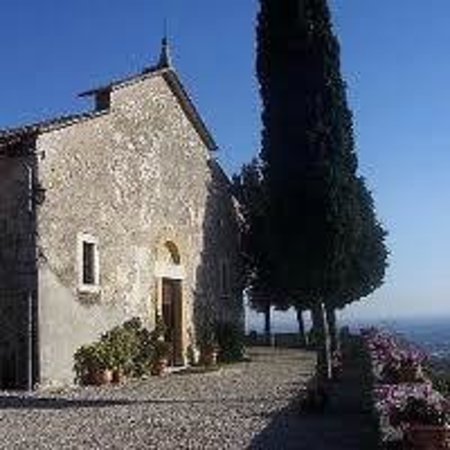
(140, 180)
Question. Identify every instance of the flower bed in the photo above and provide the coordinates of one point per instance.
(404, 398)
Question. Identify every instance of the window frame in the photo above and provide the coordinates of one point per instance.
(85, 238)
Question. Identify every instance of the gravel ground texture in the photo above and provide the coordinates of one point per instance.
(225, 409)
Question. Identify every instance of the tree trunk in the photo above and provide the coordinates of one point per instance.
(301, 328)
(322, 342)
(267, 325)
(332, 327)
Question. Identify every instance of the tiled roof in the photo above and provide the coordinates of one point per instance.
(10, 135)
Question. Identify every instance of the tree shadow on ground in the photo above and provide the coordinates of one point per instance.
(24, 402)
(55, 403)
(293, 428)
(347, 422)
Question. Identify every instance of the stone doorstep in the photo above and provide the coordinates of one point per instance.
(176, 369)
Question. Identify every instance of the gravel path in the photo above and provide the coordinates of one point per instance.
(226, 409)
(346, 423)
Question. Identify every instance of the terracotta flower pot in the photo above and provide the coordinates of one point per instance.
(427, 437)
(118, 376)
(159, 367)
(209, 357)
(101, 376)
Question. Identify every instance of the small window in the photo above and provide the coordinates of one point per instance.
(88, 263)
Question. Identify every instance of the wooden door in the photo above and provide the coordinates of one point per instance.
(171, 311)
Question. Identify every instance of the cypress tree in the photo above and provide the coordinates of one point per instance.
(302, 146)
(262, 291)
(309, 160)
(248, 187)
(368, 264)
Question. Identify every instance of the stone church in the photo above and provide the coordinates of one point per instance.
(119, 212)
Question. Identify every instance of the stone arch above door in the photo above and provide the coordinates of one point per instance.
(169, 263)
(170, 255)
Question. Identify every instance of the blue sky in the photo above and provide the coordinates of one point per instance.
(395, 60)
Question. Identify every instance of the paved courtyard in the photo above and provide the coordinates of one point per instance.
(253, 405)
(226, 409)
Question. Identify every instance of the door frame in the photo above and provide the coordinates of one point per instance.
(176, 321)
(176, 273)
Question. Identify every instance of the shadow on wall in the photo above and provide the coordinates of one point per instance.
(218, 288)
(19, 197)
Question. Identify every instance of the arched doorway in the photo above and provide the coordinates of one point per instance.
(170, 275)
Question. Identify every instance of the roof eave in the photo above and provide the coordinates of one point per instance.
(177, 87)
(189, 108)
(172, 80)
(146, 73)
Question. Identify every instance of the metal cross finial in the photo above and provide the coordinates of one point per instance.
(165, 27)
(165, 59)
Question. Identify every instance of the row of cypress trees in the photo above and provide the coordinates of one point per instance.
(312, 238)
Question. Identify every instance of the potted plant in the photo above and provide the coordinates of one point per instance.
(93, 365)
(84, 358)
(207, 339)
(142, 358)
(103, 366)
(120, 345)
(230, 342)
(160, 357)
(424, 423)
(160, 349)
(208, 354)
(208, 348)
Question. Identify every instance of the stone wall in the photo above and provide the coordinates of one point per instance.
(135, 178)
(221, 248)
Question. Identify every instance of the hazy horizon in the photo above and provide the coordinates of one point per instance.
(285, 321)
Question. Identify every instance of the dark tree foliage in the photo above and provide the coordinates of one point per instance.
(366, 269)
(309, 162)
(317, 205)
(249, 189)
(263, 293)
